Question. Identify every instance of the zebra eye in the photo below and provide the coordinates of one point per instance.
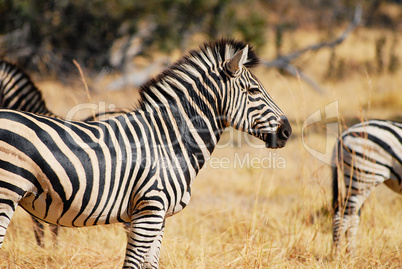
(254, 90)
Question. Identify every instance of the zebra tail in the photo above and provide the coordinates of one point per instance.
(335, 188)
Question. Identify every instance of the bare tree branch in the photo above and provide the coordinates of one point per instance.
(284, 61)
(298, 73)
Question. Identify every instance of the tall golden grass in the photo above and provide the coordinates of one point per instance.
(260, 215)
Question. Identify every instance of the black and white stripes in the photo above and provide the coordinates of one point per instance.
(18, 92)
(137, 167)
(366, 155)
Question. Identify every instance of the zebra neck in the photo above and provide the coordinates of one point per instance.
(187, 100)
(194, 133)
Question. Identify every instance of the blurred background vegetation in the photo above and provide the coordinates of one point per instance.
(48, 35)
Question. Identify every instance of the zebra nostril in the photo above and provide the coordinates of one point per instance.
(285, 134)
(286, 129)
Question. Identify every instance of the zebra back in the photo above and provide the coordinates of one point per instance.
(107, 114)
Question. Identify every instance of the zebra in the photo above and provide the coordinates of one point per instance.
(17, 91)
(366, 154)
(138, 167)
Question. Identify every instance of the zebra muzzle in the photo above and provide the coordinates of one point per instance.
(279, 138)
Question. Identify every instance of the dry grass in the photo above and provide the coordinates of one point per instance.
(264, 215)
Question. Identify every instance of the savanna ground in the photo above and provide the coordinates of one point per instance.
(252, 207)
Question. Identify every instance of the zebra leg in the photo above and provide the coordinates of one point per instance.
(7, 209)
(54, 230)
(346, 222)
(152, 256)
(39, 232)
(345, 225)
(146, 228)
(351, 233)
(338, 229)
(347, 218)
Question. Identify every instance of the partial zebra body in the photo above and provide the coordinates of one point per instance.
(137, 167)
(367, 154)
(122, 157)
(91, 194)
(18, 92)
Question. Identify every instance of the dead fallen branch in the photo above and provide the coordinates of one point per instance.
(284, 62)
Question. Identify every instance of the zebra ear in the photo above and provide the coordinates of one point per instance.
(237, 62)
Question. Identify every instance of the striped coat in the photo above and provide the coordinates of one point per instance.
(18, 92)
(366, 155)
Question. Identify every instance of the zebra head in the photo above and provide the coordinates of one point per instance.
(248, 106)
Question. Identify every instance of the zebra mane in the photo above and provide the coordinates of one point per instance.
(215, 52)
(225, 49)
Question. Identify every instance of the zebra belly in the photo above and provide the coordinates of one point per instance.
(74, 215)
(36, 206)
